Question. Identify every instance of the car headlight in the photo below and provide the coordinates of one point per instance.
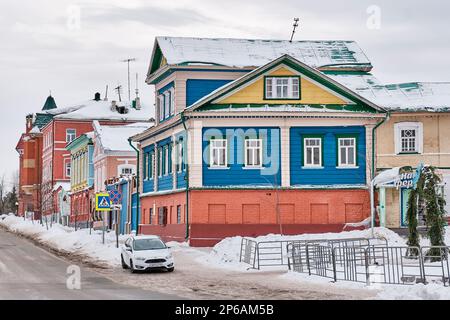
(168, 257)
(140, 258)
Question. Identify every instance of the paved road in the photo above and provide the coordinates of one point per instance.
(29, 272)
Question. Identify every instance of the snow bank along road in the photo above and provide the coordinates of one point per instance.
(29, 272)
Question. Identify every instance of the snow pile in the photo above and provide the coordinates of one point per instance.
(226, 253)
(67, 239)
(415, 292)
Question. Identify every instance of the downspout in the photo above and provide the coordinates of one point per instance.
(186, 176)
(137, 185)
(372, 187)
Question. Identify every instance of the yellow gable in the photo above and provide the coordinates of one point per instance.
(310, 93)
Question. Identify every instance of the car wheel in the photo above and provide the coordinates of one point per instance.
(124, 265)
(132, 267)
(170, 269)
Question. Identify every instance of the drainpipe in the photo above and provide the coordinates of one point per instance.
(137, 185)
(183, 119)
(372, 187)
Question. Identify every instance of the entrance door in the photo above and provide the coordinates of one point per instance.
(404, 196)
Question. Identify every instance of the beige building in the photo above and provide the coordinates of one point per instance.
(417, 131)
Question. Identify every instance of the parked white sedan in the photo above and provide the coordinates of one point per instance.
(146, 253)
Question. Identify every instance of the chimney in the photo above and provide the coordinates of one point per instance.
(97, 96)
(29, 122)
(137, 103)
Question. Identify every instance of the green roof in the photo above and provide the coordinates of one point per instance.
(42, 119)
(49, 104)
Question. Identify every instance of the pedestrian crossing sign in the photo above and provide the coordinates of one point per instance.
(102, 202)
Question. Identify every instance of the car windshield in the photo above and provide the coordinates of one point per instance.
(148, 244)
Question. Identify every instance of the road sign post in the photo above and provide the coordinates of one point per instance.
(103, 204)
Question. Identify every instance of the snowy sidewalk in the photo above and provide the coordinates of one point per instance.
(217, 273)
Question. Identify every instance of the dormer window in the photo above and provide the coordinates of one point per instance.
(283, 88)
(166, 103)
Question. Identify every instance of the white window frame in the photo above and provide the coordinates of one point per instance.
(160, 158)
(166, 160)
(305, 157)
(255, 150)
(180, 156)
(121, 167)
(74, 135)
(166, 104)
(223, 147)
(271, 88)
(347, 165)
(161, 107)
(418, 127)
(68, 165)
(172, 101)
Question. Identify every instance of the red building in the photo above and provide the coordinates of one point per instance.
(69, 123)
(29, 148)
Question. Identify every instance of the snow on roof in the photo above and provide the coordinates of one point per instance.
(255, 53)
(414, 96)
(65, 185)
(35, 129)
(115, 138)
(101, 110)
(386, 176)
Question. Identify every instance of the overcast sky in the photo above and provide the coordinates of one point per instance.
(43, 46)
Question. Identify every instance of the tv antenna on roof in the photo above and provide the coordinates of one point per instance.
(128, 63)
(295, 25)
(118, 90)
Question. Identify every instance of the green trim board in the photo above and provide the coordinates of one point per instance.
(285, 99)
(301, 68)
(355, 108)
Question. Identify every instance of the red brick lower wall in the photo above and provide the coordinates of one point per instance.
(169, 232)
(207, 235)
(216, 214)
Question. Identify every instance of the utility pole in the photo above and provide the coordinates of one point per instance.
(295, 25)
(128, 64)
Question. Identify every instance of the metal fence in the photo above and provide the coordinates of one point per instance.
(260, 254)
(365, 260)
(372, 264)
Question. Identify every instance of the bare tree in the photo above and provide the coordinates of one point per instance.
(2, 193)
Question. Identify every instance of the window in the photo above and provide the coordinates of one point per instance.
(151, 164)
(162, 216)
(178, 214)
(180, 156)
(172, 102)
(408, 137)
(68, 168)
(408, 140)
(70, 135)
(218, 153)
(312, 152)
(160, 103)
(253, 153)
(347, 152)
(126, 170)
(166, 104)
(160, 161)
(166, 160)
(144, 166)
(150, 216)
(282, 88)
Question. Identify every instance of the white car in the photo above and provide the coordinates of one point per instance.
(146, 253)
